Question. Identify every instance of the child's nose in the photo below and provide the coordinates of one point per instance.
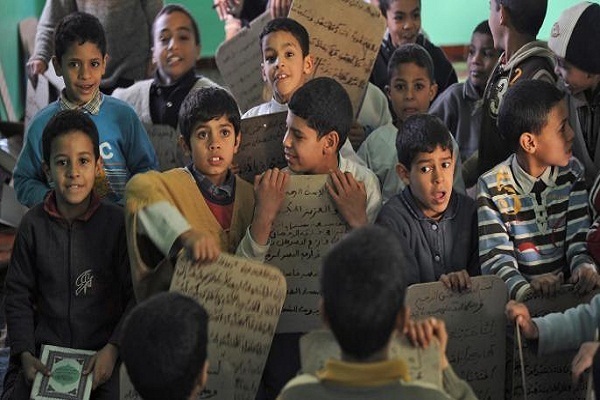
(84, 71)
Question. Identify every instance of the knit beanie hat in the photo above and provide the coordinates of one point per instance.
(576, 36)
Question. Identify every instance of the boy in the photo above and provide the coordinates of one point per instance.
(403, 19)
(68, 282)
(437, 225)
(532, 207)
(287, 65)
(157, 101)
(410, 88)
(573, 41)
(203, 207)
(80, 59)
(362, 289)
(164, 347)
(514, 25)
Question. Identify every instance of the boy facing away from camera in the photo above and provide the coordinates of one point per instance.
(437, 225)
(80, 58)
(532, 207)
(68, 282)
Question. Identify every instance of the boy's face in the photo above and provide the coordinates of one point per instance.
(430, 178)
(81, 67)
(213, 144)
(553, 145)
(304, 152)
(73, 169)
(283, 67)
(175, 50)
(576, 80)
(410, 90)
(481, 59)
(403, 20)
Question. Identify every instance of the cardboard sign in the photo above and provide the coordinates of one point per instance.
(476, 329)
(306, 227)
(164, 140)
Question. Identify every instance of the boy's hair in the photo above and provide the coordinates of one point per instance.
(78, 27)
(411, 53)
(421, 133)
(68, 121)
(363, 286)
(171, 8)
(326, 107)
(525, 108)
(287, 25)
(526, 16)
(483, 28)
(205, 104)
(163, 345)
(384, 6)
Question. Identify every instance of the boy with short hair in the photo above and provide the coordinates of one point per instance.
(363, 290)
(403, 19)
(80, 58)
(514, 25)
(437, 225)
(164, 347)
(533, 215)
(202, 208)
(410, 89)
(175, 49)
(68, 282)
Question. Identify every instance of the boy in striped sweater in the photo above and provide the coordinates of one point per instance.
(532, 207)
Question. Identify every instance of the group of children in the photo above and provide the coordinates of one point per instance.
(87, 151)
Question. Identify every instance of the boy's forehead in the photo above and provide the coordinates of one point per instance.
(220, 121)
(67, 139)
(482, 39)
(410, 71)
(178, 19)
(439, 153)
(86, 49)
(278, 39)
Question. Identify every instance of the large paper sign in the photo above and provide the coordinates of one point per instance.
(345, 36)
(306, 227)
(238, 60)
(243, 300)
(169, 153)
(261, 147)
(476, 329)
(547, 377)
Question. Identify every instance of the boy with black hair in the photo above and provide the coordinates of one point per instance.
(164, 347)
(532, 207)
(175, 49)
(437, 225)
(203, 208)
(363, 290)
(514, 25)
(403, 19)
(80, 58)
(68, 282)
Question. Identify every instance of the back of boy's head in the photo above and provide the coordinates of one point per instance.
(363, 287)
(65, 122)
(575, 36)
(384, 6)
(325, 105)
(205, 104)
(291, 26)
(526, 16)
(410, 53)
(484, 28)
(171, 8)
(164, 346)
(525, 108)
(421, 133)
(78, 27)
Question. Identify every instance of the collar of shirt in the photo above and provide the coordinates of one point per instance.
(275, 106)
(364, 374)
(222, 194)
(92, 106)
(526, 181)
(51, 207)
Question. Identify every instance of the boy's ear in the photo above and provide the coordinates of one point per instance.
(528, 142)
(433, 89)
(504, 16)
(238, 140)
(57, 67)
(46, 169)
(387, 91)
(184, 146)
(200, 381)
(403, 173)
(99, 166)
(330, 142)
(309, 64)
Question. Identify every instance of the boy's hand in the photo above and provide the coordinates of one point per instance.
(547, 284)
(32, 365)
(350, 197)
(583, 360)
(279, 8)
(457, 281)
(420, 333)
(269, 192)
(102, 364)
(584, 279)
(34, 68)
(518, 312)
(200, 247)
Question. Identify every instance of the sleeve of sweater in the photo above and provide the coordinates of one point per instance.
(54, 11)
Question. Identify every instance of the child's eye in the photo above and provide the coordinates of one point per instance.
(416, 15)
(73, 64)
(225, 132)
(184, 37)
(471, 51)
(399, 17)
(270, 59)
(489, 53)
(289, 54)
(60, 162)
(164, 39)
(419, 86)
(201, 134)
(446, 164)
(84, 161)
(400, 86)
(425, 169)
(95, 64)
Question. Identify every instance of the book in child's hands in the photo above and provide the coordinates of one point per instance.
(66, 381)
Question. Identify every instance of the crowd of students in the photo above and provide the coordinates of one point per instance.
(106, 227)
